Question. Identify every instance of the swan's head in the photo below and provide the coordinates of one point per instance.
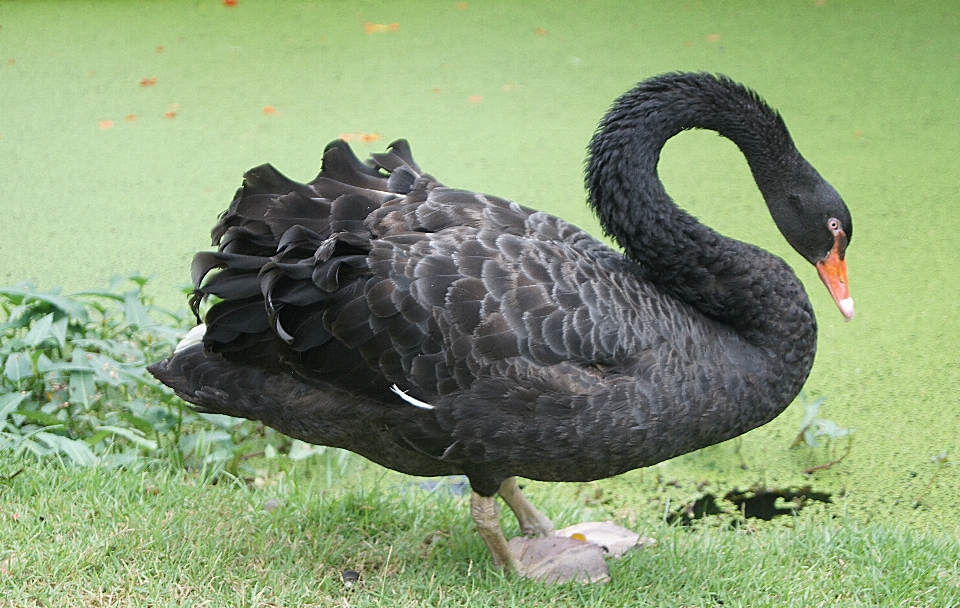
(816, 222)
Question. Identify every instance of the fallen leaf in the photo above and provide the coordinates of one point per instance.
(364, 137)
(475, 99)
(106, 124)
(616, 540)
(554, 559)
(268, 110)
(462, 6)
(148, 82)
(540, 31)
(713, 37)
(378, 28)
(230, 2)
(131, 117)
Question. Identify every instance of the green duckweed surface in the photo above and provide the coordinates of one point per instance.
(125, 128)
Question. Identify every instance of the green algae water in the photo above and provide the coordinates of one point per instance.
(125, 129)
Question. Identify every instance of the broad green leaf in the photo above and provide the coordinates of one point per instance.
(76, 450)
(25, 293)
(198, 443)
(28, 444)
(11, 346)
(301, 450)
(141, 424)
(46, 419)
(82, 388)
(177, 317)
(158, 418)
(100, 293)
(125, 351)
(134, 436)
(135, 312)
(97, 437)
(810, 412)
(18, 367)
(40, 330)
(829, 427)
(106, 369)
(220, 455)
(220, 420)
(18, 292)
(51, 366)
(9, 403)
(41, 361)
(19, 317)
(59, 330)
(137, 278)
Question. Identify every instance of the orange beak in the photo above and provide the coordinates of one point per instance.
(833, 273)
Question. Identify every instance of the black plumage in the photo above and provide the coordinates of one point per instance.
(543, 352)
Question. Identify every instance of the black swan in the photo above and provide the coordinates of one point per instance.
(439, 331)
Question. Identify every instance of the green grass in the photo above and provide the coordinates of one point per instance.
(95, 537)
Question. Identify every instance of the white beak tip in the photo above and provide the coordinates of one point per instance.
(846, 308)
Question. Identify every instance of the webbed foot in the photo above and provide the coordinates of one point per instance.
(573, 553)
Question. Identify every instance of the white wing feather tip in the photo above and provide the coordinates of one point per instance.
(411, 400)
(194, 336)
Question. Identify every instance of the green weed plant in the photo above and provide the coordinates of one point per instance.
(74, 384)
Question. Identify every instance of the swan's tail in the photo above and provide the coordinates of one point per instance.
(273, 226)
(285, 251)
(214, 385)
(205, 380)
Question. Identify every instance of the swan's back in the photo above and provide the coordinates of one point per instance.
(413, 283)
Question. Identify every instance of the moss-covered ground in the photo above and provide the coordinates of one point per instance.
(125, 128)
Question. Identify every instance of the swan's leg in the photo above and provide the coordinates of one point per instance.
(532, 521)
(486, 514)
(547, 558)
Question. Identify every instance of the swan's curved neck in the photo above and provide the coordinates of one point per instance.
(729, 281)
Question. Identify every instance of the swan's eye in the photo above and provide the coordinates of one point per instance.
(834, 225)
